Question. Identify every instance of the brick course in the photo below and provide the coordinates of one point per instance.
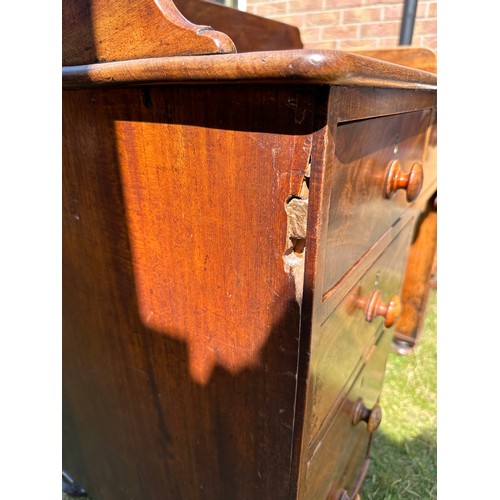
(363, 15)
(350, 24)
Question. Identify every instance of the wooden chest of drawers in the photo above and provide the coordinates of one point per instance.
(233, 260)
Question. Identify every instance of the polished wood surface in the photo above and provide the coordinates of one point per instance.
(338, 458)
(181, 319)
(411, 181)
(208, 351)
(283, 67)
(249, 33)
(419, 269)
(346, 105)
(421, 265)
(372, 416)
(374, 306)
(359, 212)
(413, 57)
(360, 479)
(96, 31)
(126, 213)
(344, 342)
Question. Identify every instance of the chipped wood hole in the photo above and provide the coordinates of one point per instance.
(296, 207)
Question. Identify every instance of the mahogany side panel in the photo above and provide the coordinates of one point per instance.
(247, 31)
(96, 31)
(181, 322)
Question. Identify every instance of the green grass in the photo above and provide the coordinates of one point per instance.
(404, 449)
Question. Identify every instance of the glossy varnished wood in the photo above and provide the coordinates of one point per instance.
(413, 57)
(337, 460)
(410, 181)
(200, 360)
(420, 262)
(139, 324)
(345, 340)
(249, 33)
(283, 67)
(115, 30)
(181, 322)
(359, 211)
(346, 104)
(374, 305)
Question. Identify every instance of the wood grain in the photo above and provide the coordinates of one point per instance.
(346, 103)
(413, 57)
(180, 322)
(286, 67)
(249, 33)
(411, 181)
(337, 461)
(417, 284)
(193, 328)
(359, 212)
(112, 30)
(345, 340)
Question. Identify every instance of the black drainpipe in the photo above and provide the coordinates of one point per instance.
(408, 22)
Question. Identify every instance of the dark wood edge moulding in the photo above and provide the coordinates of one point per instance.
(325, 67)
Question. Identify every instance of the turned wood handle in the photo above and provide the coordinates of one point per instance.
(411, 182)
(372, 417)
(374, 306)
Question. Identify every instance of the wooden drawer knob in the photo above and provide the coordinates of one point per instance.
(412, 181)
(374, 306)
(372, 417)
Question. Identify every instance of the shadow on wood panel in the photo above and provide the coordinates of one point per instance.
(135, 421)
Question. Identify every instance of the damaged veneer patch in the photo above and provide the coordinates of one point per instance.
(294, 256)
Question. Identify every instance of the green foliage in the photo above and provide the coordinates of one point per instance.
(404, 449)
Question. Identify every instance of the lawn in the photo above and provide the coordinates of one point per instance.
(404, 452)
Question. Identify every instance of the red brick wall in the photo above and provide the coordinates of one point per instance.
(351, 24)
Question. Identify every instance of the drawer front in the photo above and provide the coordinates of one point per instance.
(337, 462)
(346, 338)
(359, 211)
